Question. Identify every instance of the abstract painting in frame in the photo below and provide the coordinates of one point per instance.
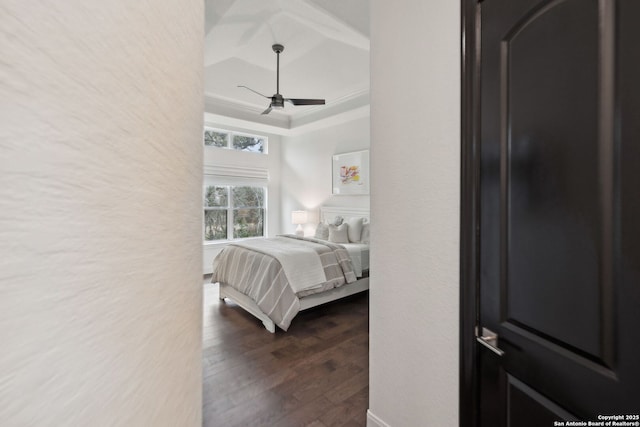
(351, 173)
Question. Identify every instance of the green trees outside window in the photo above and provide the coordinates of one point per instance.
(216, 139)
(234, 141)
(239, 209)
(248, 143)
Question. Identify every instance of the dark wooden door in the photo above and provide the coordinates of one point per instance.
(558, 251)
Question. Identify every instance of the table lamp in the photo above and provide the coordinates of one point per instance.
(298, 218)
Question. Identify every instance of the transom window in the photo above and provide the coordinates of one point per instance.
(233, 212)
(235, 140)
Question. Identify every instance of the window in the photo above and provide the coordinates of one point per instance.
(235, 141)
(216, 139)
(216, 206)
(233, 212)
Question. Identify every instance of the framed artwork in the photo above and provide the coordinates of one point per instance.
(350, 173)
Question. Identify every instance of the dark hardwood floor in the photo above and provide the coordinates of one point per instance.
(315, 374)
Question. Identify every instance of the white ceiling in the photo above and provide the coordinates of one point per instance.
(326, 55)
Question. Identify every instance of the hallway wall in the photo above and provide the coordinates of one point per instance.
(415, 151)
(100, 250)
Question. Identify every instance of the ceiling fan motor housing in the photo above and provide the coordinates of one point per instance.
(277, 101)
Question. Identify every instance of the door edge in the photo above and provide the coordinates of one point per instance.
(469, 213)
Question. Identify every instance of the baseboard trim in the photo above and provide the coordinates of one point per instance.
(374, 421)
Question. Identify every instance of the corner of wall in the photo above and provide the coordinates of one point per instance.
(374, 421)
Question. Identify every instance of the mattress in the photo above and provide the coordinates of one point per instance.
(359, 253)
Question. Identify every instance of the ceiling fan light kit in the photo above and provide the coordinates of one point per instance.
(277, 100)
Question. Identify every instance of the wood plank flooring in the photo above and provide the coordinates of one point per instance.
(315, 374)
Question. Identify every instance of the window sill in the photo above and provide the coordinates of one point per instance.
(226, 242)
(217, 243)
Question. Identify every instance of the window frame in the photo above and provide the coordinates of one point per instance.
(230, 210)
(230, 136)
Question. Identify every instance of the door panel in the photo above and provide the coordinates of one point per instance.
(528, 408)
(559, 206)
(550, 146)
(491, 400)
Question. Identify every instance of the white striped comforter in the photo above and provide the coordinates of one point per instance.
(299, 260)
(261, 277)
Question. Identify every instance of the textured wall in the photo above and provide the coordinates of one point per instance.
(100, 212)
(415, 151)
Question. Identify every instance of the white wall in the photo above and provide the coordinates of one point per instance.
(415, 152)
(229, 158)
(306, 169)
(100, 185)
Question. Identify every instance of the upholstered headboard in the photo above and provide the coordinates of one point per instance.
(328, 213)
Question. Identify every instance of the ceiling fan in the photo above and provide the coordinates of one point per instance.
(277, 100)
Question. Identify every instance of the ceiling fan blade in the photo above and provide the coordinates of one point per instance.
(296, 101)
(254, 91)
(267, 111)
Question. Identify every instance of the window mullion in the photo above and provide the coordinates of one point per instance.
(230, 214)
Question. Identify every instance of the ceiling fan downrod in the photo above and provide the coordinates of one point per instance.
(277, 48)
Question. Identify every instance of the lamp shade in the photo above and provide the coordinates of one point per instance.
(299, 217)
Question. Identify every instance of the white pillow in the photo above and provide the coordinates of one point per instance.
(337, 220)
(355, 229)
(365, 237)
(322, 231)
(339, 233)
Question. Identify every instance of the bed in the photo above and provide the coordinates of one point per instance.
(275, 278)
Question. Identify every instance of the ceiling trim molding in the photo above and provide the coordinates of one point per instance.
(328, 24)
(231, 108)
(221, 120)
(334, 120)
(351, 101)
(348, 107)
(217, 120)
